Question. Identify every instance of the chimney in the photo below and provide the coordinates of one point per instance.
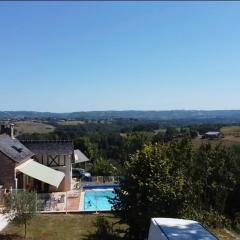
(2, 129)
(12, 130)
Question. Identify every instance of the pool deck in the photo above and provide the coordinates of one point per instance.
(73, 202)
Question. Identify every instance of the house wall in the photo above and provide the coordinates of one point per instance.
(67, 181)
(47, 160)
(7, 166)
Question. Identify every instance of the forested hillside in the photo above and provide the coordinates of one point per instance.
(227, 116)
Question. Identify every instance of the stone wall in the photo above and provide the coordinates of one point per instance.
(6, 171)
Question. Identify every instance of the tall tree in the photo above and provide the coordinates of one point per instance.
(214, 177)
(154, 186)
(102, 167)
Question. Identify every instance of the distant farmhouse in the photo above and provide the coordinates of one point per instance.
(45, 166)
(213, 135)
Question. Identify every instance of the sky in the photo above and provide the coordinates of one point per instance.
(84, 56)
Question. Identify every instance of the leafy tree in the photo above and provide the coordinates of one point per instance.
(148, 127)
(104, 229)
(88, 147)
(193, 133)
(21, 207)
(172, 180)
(134, 142)
(214, 177)
(102, 167)
(233, 201)
(152, 187)
(214, 180)
(158, 138)
(170, 133)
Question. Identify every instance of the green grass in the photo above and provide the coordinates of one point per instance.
(60, 227)
(30, 127)
(161, 130)
(226, 141)
(73, 227)
(231, 131)
(231, 137)
(71, 123)
(224, 234)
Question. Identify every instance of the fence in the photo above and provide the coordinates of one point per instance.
(4, 193)
(51, 202)
(59, 201)
(99, 180)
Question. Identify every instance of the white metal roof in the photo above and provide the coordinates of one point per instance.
(41, 172)
(212, 133)
(79, 157)
(179, 229)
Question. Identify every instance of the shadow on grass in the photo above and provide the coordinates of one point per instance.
(101, 237)
(105, 230)
(10, 237)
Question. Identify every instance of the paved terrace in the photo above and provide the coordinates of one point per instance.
(60, 201)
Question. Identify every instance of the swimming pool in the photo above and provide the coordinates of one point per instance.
(98, 200)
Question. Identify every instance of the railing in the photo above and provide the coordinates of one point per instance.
(59, 201)
(4, 193)
(99, 180)
(50, 202)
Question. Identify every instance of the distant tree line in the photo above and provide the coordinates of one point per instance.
(116, 139)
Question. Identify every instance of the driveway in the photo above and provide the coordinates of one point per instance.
(3, 222)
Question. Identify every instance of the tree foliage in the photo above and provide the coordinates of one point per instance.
(21, 207)
(102, 167)
(172, 180)
(154, 186)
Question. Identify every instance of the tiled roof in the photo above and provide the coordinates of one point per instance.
(51, 147)
(14, 149)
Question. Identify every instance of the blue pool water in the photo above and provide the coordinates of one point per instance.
(98, 200)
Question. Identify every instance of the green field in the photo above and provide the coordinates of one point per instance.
(74, 227)
(231, 131)
(71, 122)
(30, 127)
(231, 137)
(226, 141)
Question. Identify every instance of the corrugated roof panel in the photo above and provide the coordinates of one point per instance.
(79, 157)
(41, 172)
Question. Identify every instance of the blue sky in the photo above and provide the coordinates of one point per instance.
(79, 56)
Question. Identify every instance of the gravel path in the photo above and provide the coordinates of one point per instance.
(3, 222)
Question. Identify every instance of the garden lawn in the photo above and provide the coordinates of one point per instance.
(71, 227)
(59, 227)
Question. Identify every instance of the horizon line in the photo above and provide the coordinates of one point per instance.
(130, 110)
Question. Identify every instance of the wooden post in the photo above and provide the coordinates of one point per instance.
(66, 205)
